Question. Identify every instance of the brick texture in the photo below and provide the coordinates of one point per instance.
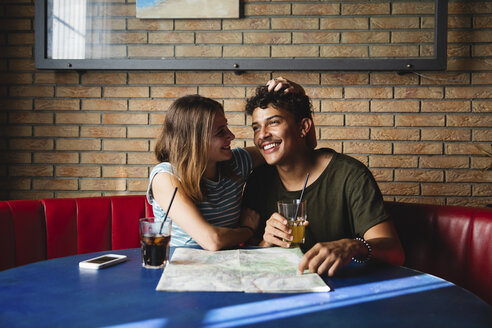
(424, 135)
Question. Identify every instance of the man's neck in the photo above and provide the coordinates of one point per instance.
(294, 173)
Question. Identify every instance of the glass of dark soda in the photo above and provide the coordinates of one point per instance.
(154, 242)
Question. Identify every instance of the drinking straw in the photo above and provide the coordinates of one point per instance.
(169, 208)
(302, 194)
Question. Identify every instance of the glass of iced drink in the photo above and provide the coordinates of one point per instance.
(288, 209)
(154, 242)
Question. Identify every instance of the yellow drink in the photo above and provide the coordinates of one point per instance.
(295, 213)
(298, 231)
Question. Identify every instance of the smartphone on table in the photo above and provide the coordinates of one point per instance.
(102, 261)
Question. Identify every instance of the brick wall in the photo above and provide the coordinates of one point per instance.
(72, 134)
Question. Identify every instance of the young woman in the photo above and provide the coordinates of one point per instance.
(194, 149)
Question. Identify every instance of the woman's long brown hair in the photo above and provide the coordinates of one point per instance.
(185, 140)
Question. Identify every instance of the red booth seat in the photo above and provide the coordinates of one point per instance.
(32, 230)
(454, 243)
(451, 242)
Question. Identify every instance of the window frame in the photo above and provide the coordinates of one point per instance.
(437, 62)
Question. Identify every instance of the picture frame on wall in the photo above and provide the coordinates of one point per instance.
(175, 9)
(104, 34)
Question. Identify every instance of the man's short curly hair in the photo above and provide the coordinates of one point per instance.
(297, 104)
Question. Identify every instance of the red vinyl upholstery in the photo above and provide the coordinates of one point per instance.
(29, 231)
(149, 211)
(125, 228)
(61, 227)
(7, 237)
(93, 224)
(451, 242)
(415, 225)
(479, 273)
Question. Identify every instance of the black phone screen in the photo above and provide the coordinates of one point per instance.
(102, 259)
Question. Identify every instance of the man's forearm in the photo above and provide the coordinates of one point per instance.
(388, 250)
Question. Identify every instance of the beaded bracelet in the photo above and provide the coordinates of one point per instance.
(369, 251)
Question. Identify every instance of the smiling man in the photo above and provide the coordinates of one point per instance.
(345, 209)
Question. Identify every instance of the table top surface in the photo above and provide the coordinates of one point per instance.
(57, 293)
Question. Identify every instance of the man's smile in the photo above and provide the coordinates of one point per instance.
(270, 145)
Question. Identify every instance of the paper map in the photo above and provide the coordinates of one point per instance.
(262, 270)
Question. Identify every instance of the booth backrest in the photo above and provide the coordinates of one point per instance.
(454, 243)
(451, 242)
(32, 230)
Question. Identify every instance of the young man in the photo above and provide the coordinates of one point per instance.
(347, 219)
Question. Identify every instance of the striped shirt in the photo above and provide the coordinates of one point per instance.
(222, 204)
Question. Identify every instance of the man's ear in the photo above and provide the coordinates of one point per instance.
(308, 130)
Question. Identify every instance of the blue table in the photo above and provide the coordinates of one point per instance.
(56, 293)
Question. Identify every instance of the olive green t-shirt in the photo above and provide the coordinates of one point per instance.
(344, 202)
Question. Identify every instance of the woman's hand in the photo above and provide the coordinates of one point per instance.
(249, 218)
(279, 83)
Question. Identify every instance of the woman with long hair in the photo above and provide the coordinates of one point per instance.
(195, 155)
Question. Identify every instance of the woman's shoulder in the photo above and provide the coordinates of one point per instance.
(162, 167)
(240, 153)
(241, 162)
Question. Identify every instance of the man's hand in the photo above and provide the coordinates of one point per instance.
(330, 257)
(276, 231)
(279, 83)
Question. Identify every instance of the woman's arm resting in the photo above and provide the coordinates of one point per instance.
(185, 214)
